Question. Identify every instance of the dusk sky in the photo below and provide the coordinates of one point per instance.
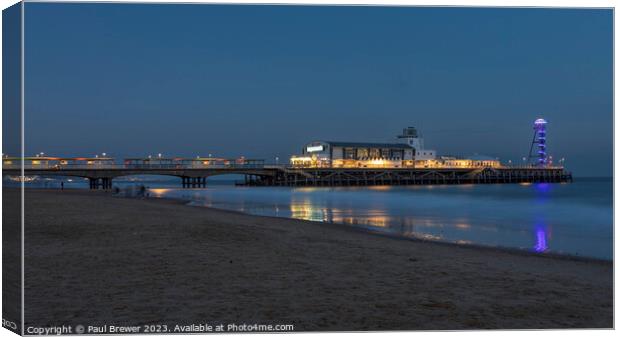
(261, 81)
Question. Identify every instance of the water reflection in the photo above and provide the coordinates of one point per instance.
(308, 211)
(541, 240)
(497, 215)
(375, 219)
(159, 192)
(542, 198)
(463, 226)
(543, 187)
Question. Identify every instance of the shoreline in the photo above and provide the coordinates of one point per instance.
(158, 260)
(474, 246)
(510, 250)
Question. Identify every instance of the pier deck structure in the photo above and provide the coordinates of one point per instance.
(279, 175)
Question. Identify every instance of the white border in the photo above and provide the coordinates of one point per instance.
(456, 3)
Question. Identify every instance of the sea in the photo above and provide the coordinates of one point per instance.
(564, 218)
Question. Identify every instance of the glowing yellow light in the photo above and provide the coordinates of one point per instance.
(380, 188)
(158, 192)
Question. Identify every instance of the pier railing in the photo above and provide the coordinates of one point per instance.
(127, 166)
(259, 164)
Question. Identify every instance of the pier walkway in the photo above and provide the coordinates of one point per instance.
(280, 175)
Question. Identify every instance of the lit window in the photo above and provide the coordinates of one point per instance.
(349, 153)
(375, 153)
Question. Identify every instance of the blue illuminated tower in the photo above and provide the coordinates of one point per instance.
(540, 141)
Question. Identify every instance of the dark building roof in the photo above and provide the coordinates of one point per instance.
(375, 145)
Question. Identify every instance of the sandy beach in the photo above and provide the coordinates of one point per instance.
(96, 259)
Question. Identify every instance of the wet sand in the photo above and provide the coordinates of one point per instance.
(95, 259)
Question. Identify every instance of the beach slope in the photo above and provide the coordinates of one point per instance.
(95, 259)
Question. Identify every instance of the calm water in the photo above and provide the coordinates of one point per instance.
(574, 219)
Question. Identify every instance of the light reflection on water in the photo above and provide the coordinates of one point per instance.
(541, 240)
(374, 219)
(562, 218)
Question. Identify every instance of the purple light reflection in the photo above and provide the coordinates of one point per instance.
(542, 187)
(541, 240)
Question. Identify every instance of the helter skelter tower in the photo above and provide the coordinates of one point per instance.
(540, 142)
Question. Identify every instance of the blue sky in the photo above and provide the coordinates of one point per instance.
(261, 81)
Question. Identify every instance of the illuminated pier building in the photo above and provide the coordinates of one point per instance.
(402, 153)
(407, 152)
(348, 154)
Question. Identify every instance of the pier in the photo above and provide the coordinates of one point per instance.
(409, 176)
(281, 175)
(321, 163)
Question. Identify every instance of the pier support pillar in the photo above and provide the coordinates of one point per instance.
(107, 183)
(103, 183)
(94, 183)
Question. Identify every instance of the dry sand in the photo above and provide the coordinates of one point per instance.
(96, 259)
